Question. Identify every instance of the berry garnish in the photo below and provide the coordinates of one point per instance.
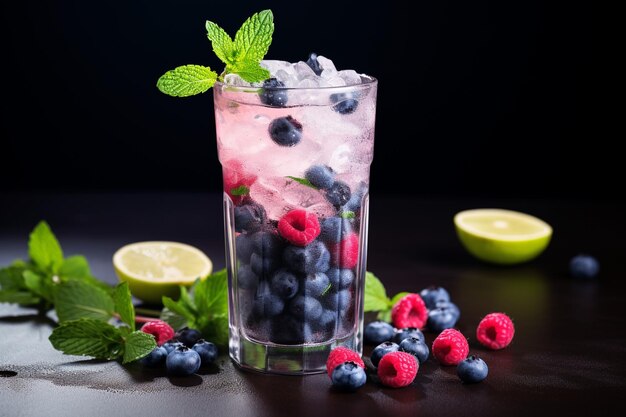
(442, 317)
(206, 350)
(285, 131)
(314, 63)
(272, 93)
(348, 376)
(312, 258)
(183, 361)
(161, 331)
(584, 266)
(338, 194)
(299, 227)
(188, 337)
(334, 229)
(415, 347)
(345, 254)
(344, 103)
(341, 355)
(407, 332)
(381, 350)
(432, 295)
(409, 311)
(378, 332)
(155, 358)
(495, 331)
(237, 180)
(397, 369)
(321, 176)
(450, 347)
(472, 369)
(249, 217)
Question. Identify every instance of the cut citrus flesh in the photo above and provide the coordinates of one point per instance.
(155, 269)
(502, 236)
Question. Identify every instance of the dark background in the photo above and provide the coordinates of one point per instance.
(496, 97)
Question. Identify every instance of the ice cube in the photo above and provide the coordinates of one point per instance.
(308, 83)
(273, 65)
(235, 80)
(303, 70)
(335, 81)
(350, 77)
(287, 76)
(326, 63)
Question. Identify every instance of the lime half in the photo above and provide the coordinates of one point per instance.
(155, 269)
(502, 236)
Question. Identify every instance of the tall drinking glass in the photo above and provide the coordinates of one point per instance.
(296, 164)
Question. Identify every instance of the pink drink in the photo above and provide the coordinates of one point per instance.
(296, 284)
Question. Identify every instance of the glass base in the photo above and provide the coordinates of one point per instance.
(285, 359)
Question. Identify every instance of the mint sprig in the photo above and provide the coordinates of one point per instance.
(241, 56)
(376, 299)
(204, 309)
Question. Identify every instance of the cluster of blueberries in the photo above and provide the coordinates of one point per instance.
(183, 355)
(287, 131)
(296, 282)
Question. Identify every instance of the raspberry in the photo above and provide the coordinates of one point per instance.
(299, 227)
(495, 331)
(397, 369)
(450, 347)
(161, 331)
(409, 311)
(345, 254)
(235, 177)
(341, 355)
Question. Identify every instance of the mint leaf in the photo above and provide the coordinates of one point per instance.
(187, 80)
(186, 301)
(375, 298)
(211, 294)
(302, 181)
(75, 267)
(216, 330)
(254, 37)
(397, 298)
(11, 278)
(223, 45)
(33, 282)
(77, 299)
(250, 71)
(44, 248)
(124, 304)
(137, 345)
(18, 297)
(239, 191)
(348, 214)
(175, 320)
(88, 337)
(178, 308)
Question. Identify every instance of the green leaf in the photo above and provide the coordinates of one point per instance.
(241, 190)
(77, 299)
(75, 267)
(216, 330)
(186, 300)
(11, 278)
(397, 298)
(175, 320)
(211, 294)
(221, 42)
(302, 181)
(375, 295)
(18, 297)
(348, 214)
(187, 80)
(384, 315)
(33, 282)
(178, 308)
(249, 71)
(254, 37)
(137, 345)
(88, 337)
(124, 304)
(44, 248)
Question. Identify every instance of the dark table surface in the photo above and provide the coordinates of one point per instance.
(567, 357)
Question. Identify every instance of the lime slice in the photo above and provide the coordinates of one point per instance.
(502, 236)
(155, 269)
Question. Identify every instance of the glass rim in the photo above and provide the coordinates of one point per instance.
(367, 81)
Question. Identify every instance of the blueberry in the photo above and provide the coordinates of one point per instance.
(267, 244)
(450, 305)
(334, 229)
(183, 361)
(348, 377)
(246, 278)
(344, 103)
(263, 266)
(288, 330)
(584, 266)
(432, 295)
(381, 350)
(155, 358)
(472, 369)
(171, 345)
(441, 318)
(285, 131)
(273, 94)
(378, 332)
(244, 245)
(307, 308)
(207, 351)
(340, 278)
(266, 303)
(321, 176)
(249, 217)
(415, 347)
(316, 284)
(188, 337)
(354, 204)
(284, 284)
(312, 258)
(402, 334)
(314, 63)
(338, 194)
(328, 319)
(338, 301)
